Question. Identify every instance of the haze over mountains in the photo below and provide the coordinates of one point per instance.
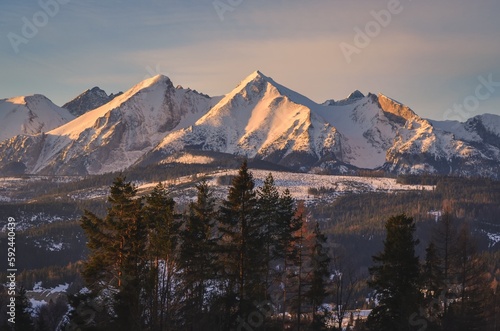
(155, 122)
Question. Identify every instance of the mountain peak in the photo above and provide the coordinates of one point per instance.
(254, 76)
(155, 80)
(98, 91)
(355, 95)
(257, 82)
(88, 100)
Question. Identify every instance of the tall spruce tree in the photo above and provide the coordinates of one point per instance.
(269, 212)
(445, 237)
(396, 278)
(345, 281)
(116, 259)
(288, 226)
(198, 260)
(472, 286)
(318, 282)
(301, 268)
(242, 256)
(434, 287)
(23, 319)
(163, 241)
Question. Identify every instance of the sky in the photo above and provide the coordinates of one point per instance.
(439, 57)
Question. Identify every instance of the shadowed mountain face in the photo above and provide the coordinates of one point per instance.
(260, 119)
(88, 100)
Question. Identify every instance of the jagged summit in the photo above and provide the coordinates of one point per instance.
(355, 95)
(257, 74)
(98, 91)
(254, 78)
(88, 100)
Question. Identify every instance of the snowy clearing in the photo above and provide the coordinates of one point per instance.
(297, 183)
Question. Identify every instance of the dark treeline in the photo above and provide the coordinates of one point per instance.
(51, 245)
(467, 199)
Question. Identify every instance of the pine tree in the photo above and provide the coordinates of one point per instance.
(319, 266)
(288, 226)
(345, 282)
(472, 288)
(198, 259)
(395, 277)
(269, 214)
(445, 239)
(433, 284)
(163, 239)
(242, 254)
(24, 322)
(116, 259)
(300, 267)
(493, 306)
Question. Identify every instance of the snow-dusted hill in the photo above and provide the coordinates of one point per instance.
(88, 100)
(154, 122)
(30, 115)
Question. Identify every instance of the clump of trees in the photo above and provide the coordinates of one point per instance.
(452, 290)
(250, 262)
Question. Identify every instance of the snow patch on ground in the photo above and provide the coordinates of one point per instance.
(436, 213)
(40, 296)
(188, 159)
(49, 245)
(493, 237)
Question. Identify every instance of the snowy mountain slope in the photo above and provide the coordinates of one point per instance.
(259, 118)
(30, 115)
(263, 119)
(88, 100)
(113, 136)
(367, 127)
(447, 147)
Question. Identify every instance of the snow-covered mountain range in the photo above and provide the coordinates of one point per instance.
(155, 122)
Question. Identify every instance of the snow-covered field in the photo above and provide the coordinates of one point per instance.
(297, 183)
